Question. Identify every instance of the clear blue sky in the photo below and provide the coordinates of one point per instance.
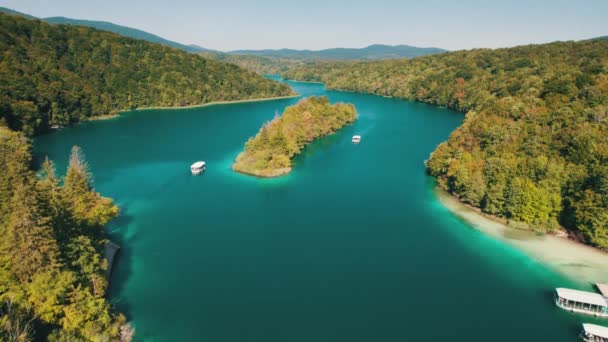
(318, 24)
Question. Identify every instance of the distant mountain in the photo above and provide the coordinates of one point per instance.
(199, 48)
(372, 52)
(13, 12)
(124, 31)
(107, 26)
(258, 64)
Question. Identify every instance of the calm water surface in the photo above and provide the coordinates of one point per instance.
(352, 246)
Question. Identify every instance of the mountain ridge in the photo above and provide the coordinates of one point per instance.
(125, 31)
(112, 27)
(370, 52)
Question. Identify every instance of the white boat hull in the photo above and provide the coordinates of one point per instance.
(582, 311)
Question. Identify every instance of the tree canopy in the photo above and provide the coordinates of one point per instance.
(270, 152)
(533, 147)
(52, 269)
(55, 75)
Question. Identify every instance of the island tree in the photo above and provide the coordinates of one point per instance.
(270, 152)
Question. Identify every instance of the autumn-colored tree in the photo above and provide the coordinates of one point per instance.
(535, 137)
(269, 153)
(52, 270)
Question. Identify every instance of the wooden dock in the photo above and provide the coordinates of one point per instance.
(603, 288)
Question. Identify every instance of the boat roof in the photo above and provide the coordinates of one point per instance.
(596, 330)
(582, 297)
(198, 164)
(356, 136)
(603, 288)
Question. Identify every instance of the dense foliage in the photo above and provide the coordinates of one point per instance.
(107, 26)
(59, 74)
(52, 267)
(533, 147)
(258, 64)
(275, 62)
(52, 270)
(269, 153)
(124, 31)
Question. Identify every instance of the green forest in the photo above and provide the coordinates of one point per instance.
(533, 147)
(52, 269)
(56, 75)
(270, 152)
(259, 64)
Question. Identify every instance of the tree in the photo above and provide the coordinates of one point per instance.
(51, 260)
(87, 207)
(269, 153)
(29, 243)
(15, 323)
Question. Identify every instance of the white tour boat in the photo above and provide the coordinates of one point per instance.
(582, 302)
(356, 139)
(197, 167)
(594, 333)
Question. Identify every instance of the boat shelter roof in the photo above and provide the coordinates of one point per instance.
(582, 297)
(198, 165)
(595, 330)
(603, 288)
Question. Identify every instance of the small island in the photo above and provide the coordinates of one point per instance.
(270, 152)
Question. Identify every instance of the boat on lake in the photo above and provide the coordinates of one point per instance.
(197, 167)
(582, 302)
(356, 139)
(594, 333)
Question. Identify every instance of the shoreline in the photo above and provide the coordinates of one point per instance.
(311, 82)
(213, 103)
(216, 103)
(573, 259)
(103, 117)
(275, 174)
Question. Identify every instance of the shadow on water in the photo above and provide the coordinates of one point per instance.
(122, 267)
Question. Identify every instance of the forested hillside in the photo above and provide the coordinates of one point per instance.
(533, 147)
(107, 26)
(280, 61)
(52, 270)
(58, 75)
(258, 64)
(124, 31)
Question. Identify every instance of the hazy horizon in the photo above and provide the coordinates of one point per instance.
(315, 25)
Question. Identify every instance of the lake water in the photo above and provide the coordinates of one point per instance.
(353, 245)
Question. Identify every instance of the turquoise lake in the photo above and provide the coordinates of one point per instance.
(351, 246)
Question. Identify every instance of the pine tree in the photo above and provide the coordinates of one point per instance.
(29, 241)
